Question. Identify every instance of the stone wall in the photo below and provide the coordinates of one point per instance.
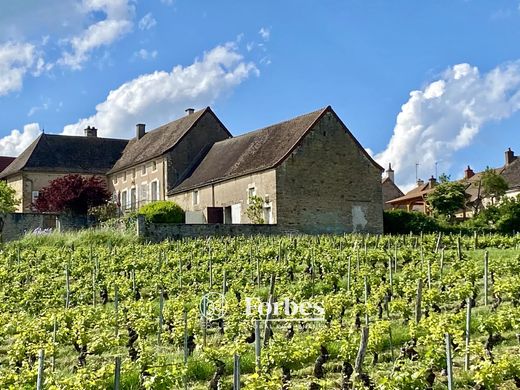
(329, 185)
(16, 225)
(157, 232)
(232, 192)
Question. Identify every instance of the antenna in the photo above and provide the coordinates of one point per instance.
(436, 175)
(416, 172)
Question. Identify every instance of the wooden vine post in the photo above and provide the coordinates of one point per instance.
(468, 331)
(486, 279)
(117, 373)
(418, 299)
(258, 344)
(360, 357)
(267, 331)
(236, 372)
(449, 365)
(40, 379)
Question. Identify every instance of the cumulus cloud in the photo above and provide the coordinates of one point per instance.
(161, 96)
(118, 22)
(147, 22)
(447, 114)
(17, 141)
(16, 59)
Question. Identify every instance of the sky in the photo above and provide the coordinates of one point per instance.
(433, 83)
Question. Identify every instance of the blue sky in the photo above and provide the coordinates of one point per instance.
(113, 63)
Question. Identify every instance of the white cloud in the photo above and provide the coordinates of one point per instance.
(146, 54)
(16, 59)
(446, 116)
(16, 142)
(35, 109)
(161, 96)
(265, 33)
(147, 22)
(118, 21)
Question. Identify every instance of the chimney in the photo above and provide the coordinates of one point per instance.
(468, 173)
(510, 156)
(140, 130)
(432, 182)
(390, 172)
(420, 182)
(90, 132)
(189, 111)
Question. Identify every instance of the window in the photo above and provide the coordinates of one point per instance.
(133, 173)
(115, 179)
(195, 197)
(124, 200)
(154, 189)
(34, 196)
(154, 166)
(143, 172)
(143, 193)
(251, 191)
(133, 198)
(124, 176)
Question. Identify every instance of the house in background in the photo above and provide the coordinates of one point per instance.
(310, 171)
(390, 189)
(51, 156)
(155, 162)
(312, 174)
(415, 199)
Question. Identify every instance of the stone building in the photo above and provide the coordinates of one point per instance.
(310, 171)
(155, 162)
(51, 156)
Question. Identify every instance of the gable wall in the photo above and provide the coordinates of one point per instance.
(328, 185)
(192, 148)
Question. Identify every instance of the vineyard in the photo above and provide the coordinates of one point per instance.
(390, 312)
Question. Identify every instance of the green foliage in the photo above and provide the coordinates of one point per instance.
(447, 198)
(104, 212)
(162, 211)
(503, 217)
(8, 201)
(494, 186)
(404, 222)
(255, 210)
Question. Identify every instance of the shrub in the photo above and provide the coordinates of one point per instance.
(404, 222)
(104, 212)
(162, 211)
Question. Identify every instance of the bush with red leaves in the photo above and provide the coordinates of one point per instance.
(72, 194)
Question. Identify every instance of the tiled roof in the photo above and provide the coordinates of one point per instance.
(158, 141)
(5, 161)
(63, 153)
(252, 152)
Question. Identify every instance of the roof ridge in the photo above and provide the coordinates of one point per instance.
(252, 132)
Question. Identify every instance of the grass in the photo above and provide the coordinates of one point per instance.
(84, 237)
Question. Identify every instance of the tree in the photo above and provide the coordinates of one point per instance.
(494, 185)
(72, 194)
(8, 202)
(447, 198)
(255, 211)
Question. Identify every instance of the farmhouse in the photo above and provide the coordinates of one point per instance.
(51, 156)
(308, 174)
